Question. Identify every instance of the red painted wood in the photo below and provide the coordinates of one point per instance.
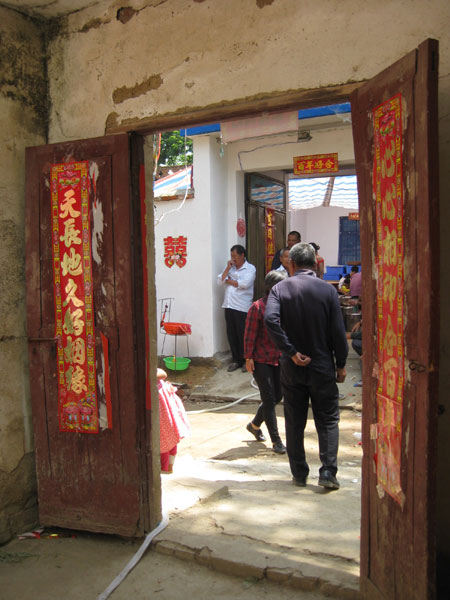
(92, 482)
(398, 545)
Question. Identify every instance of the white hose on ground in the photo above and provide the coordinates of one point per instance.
(165, 520)
(136, 558)
(204, 410)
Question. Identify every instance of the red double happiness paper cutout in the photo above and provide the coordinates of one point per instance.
(175, 251)
(74, 310)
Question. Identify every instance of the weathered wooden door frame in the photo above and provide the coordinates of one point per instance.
(169, 122)
(140, 484)
(413, 575)
(256, 247)
(242, 108)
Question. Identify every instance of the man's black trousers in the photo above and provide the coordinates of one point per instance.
(235, 321)
(300, 384)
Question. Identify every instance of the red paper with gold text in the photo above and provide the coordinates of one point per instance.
(388, 188)
(316, 163)
(74, 311)
(269, 237)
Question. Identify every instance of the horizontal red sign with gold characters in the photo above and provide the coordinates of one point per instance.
(388, 190)
(74, 311)
(316, 163)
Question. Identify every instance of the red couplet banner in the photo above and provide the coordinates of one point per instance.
(388, 188)
(74, 311)
(269, 237)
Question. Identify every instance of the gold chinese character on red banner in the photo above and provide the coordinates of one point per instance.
(388, 191)
(316, 163)
(74, 326)
(269, 226)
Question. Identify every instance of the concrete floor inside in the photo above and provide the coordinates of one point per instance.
(233, 505)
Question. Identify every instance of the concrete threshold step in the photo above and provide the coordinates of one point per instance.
(194, 534)
(243, 558)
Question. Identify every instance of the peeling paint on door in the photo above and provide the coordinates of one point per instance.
(97, 217)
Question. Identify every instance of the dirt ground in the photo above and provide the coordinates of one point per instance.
(231, 499)
(82, 567)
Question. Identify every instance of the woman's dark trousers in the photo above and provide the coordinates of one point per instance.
(268, 379)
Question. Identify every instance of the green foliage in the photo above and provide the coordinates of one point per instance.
(172, 149)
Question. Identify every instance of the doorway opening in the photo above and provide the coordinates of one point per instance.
(399, 429)
(226, 180)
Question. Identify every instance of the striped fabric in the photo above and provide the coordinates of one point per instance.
(270, 195)
(171, 185)
(323, 191)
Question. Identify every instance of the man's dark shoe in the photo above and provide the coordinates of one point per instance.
(299, 481)
(329, 481)
(279, 448)
(233, 366)
(256, 432)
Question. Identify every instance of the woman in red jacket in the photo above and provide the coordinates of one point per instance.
(261, 359)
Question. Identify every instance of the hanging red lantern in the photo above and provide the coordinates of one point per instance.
(240, 227)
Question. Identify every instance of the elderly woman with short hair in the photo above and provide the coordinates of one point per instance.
(262, 359)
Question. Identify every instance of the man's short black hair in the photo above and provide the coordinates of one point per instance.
(297, 234)
(354, 269)
(239, 249)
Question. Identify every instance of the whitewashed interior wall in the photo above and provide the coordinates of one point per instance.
(209, 222)
(277, 152)
(320, 225)
(193, 286)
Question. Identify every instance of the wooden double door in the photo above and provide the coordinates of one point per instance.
(98, 481)
(104, 482)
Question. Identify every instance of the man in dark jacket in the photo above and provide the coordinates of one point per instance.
(293, 238)
(304, 319)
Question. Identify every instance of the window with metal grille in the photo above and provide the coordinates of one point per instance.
(349, 246)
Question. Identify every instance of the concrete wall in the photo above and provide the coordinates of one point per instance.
(224, 213)
(274, 153)
(320, 225)
(270, 154)
(209, 223)
(197, 298)
(23, 108)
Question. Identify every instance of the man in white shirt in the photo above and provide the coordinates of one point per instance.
(238, 278)
(284, 258)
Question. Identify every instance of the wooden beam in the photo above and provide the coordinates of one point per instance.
(233, 109)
